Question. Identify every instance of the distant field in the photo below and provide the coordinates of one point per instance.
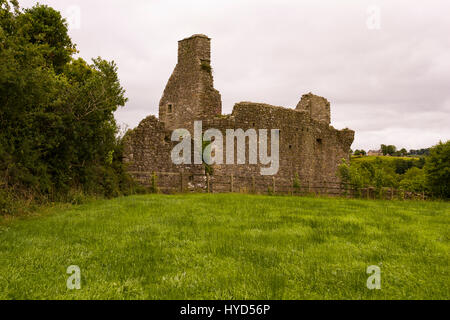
(383, 158)
(229, 246)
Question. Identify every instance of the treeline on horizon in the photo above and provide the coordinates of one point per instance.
(58, 138)
(391, 150)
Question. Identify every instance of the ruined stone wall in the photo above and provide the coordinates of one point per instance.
(310, 149)
(147, 151)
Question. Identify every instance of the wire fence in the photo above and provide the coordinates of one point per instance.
(183, 182)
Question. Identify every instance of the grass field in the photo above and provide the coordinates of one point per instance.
(382, 158)
(228, 247)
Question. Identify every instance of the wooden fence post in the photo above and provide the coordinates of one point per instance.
(152, 177)
(253, 184)
(154, 182)
(181, 182)
(273, 184)
(208, 185)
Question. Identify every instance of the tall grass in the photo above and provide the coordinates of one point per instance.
(228, 246)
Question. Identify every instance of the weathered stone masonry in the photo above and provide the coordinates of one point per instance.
(310, 149)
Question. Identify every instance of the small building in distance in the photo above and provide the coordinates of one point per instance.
(376, 153)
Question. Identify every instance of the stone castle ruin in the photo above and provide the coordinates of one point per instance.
(310, 148)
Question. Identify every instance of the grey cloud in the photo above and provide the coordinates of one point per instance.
(390, 85)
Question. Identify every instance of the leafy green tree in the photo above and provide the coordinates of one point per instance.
(56, 113)
(437, 169)
(384, 149)
(44, 26)
(376, 173)
(414, 180)
(403, 152)
(388, 149)
(402, 165)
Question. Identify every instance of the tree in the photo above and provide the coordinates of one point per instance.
(44, 26)
(56, 113)
(362, 174)
(388, 149)
(414, 180)
(402, 165)
(384, 149)
(437, 169)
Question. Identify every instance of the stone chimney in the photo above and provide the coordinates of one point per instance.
(189, 94)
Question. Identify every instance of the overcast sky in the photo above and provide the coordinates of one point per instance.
(388, 78)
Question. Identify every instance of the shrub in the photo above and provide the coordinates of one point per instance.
(414, 180)
(206, 65)
(437, 169)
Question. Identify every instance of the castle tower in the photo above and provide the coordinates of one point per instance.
(189, 94)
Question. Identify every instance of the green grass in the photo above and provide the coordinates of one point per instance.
(228, 247)
(382, 158)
